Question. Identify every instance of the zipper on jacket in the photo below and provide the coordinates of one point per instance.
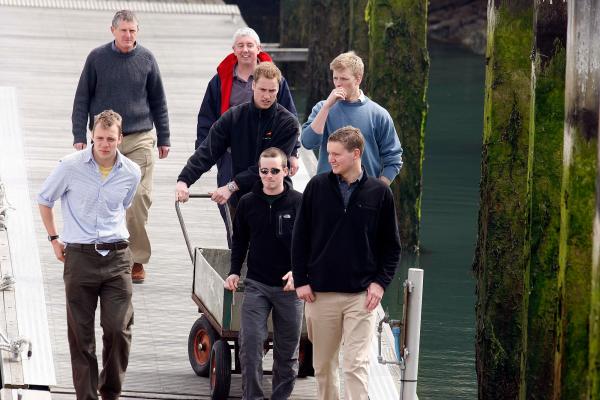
(280, 224)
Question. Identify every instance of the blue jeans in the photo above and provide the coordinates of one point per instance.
(259, 301)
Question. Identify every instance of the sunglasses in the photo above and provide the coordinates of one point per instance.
(273, 171)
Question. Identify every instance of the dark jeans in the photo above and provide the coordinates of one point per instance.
(89, 276)
(259, 301)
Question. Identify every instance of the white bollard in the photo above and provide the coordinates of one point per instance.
(413, 334)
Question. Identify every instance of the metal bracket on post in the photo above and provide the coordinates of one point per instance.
(16, 346)
(394, 323)
(7, 283)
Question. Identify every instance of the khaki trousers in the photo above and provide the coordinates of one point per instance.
(334, 319)
(139, 148)
(89, 276)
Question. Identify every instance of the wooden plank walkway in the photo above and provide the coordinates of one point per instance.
(43, 51)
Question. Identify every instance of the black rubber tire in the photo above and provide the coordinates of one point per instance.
(200, 343)
(305, 357)
(220, 370)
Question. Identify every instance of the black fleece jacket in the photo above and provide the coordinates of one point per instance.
(248, 130)
(344, 249)
(264, 231)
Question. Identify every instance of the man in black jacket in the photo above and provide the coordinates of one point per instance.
(345, 250)
(263, 224)
(247, 129)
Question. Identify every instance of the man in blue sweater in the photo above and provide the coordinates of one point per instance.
(124, 76)
(347, 105)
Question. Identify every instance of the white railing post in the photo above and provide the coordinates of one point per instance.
(413, 334)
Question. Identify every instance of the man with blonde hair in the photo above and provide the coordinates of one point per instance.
(247, 130)
(347, 105)
(96, 186)
(345, 251)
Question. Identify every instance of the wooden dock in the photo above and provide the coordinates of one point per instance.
(42, 54)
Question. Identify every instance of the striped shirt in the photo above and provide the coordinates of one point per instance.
(93, 208)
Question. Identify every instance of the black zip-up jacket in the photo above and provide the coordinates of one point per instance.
(248, 130)
(264, 231)
(344, 249)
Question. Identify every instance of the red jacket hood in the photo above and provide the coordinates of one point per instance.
(225, 72)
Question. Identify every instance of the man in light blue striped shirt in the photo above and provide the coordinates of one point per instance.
(95, 186)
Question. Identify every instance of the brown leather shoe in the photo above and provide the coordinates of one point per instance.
(137, 273)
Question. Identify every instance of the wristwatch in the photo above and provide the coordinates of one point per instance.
(232, 186)
(52, 237)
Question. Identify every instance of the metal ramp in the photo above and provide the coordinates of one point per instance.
(23, 307)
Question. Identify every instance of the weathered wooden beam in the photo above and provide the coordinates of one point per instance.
(285, 54)
(398, 76)
(501, 257)
(545, 168)
(578, 353)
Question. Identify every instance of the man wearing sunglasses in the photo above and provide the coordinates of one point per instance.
(247, 129)
(262, 229)
(346, 249)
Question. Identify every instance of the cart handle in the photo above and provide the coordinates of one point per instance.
(184, 229)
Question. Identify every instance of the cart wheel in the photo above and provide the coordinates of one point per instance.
(305, 356)
(220, 370)
(200, 343)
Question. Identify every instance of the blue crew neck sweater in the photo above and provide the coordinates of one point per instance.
(128, 83)
(383, 152)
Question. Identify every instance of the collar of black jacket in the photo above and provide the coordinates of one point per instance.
(258, 186)
(268, 112)
(334, 178)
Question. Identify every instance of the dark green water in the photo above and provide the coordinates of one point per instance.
(448, 226)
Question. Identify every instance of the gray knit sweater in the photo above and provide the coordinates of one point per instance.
(128, 83)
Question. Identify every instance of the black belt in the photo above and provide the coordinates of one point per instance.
(99, 246)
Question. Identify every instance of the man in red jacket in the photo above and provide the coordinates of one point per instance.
(232, 86)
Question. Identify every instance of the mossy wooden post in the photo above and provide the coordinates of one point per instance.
(501, 257)
(358, 35)
(398, 75)
(577, 358)
(545, 171)
(293, 26)
(328, 37)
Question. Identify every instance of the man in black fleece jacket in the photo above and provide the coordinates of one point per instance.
(247, 129)
(262, 229)
(345, 250)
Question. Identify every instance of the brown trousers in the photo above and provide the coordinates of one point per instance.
(89, 276)
(139, 147)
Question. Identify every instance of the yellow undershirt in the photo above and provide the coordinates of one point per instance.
(105, 171)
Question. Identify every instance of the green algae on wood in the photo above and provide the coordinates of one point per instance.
(398, 76)
(501, 257)
(545, 166)
(578, 353)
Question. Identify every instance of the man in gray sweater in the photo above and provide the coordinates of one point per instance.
(124, 76)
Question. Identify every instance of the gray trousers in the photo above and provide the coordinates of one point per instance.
(259, 301)
(89, 276)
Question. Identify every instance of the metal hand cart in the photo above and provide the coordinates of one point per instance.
(217, 328)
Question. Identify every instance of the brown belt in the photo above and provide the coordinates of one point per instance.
(99, 246)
